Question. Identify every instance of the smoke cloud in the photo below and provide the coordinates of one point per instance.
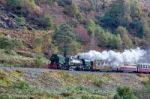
(131, 56)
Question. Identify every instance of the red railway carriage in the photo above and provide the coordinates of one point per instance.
(143, 67)
(128, 69)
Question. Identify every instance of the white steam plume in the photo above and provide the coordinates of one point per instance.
(131, 56)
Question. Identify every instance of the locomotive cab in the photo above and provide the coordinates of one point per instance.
(54, 64)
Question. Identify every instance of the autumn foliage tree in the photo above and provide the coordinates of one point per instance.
(82, 34)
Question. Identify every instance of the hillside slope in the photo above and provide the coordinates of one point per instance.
(37, 27)
(39, 83)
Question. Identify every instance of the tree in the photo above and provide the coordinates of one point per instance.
(72, 9)
(128, 14)
(82, 34)
(127, 42)
(112, 17)
(101, 36)
(65, 39)
(91, 26)
(116, 41)
(107, 39)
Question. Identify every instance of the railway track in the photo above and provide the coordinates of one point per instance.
(42, 70)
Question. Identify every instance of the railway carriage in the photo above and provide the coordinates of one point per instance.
(143, 67)
(102, 65)
(128, 69)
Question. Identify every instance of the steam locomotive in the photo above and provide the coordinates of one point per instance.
(71, 63)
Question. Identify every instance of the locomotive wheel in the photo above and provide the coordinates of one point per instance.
(71, 68)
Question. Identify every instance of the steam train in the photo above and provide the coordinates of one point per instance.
(70, 63)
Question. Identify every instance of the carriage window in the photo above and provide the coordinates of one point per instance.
(139, 66)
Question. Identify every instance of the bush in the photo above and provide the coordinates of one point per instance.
(8, 43)
(22, 85)
(147, 83)
(26, 5)
(38, 44)
(14, 3)
(45, 22)
(98, 82)
(21, 21)
(124, 93)
(39, 61)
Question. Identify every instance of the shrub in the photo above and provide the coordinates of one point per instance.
(39, 61)
(14, 3)
(147, 83)
(124, 93)
(85, 97)
(22, 85)
(26, 5)
(45, 22)
(97, 82)
(21, 21)
(38, 44)
(8, 43)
